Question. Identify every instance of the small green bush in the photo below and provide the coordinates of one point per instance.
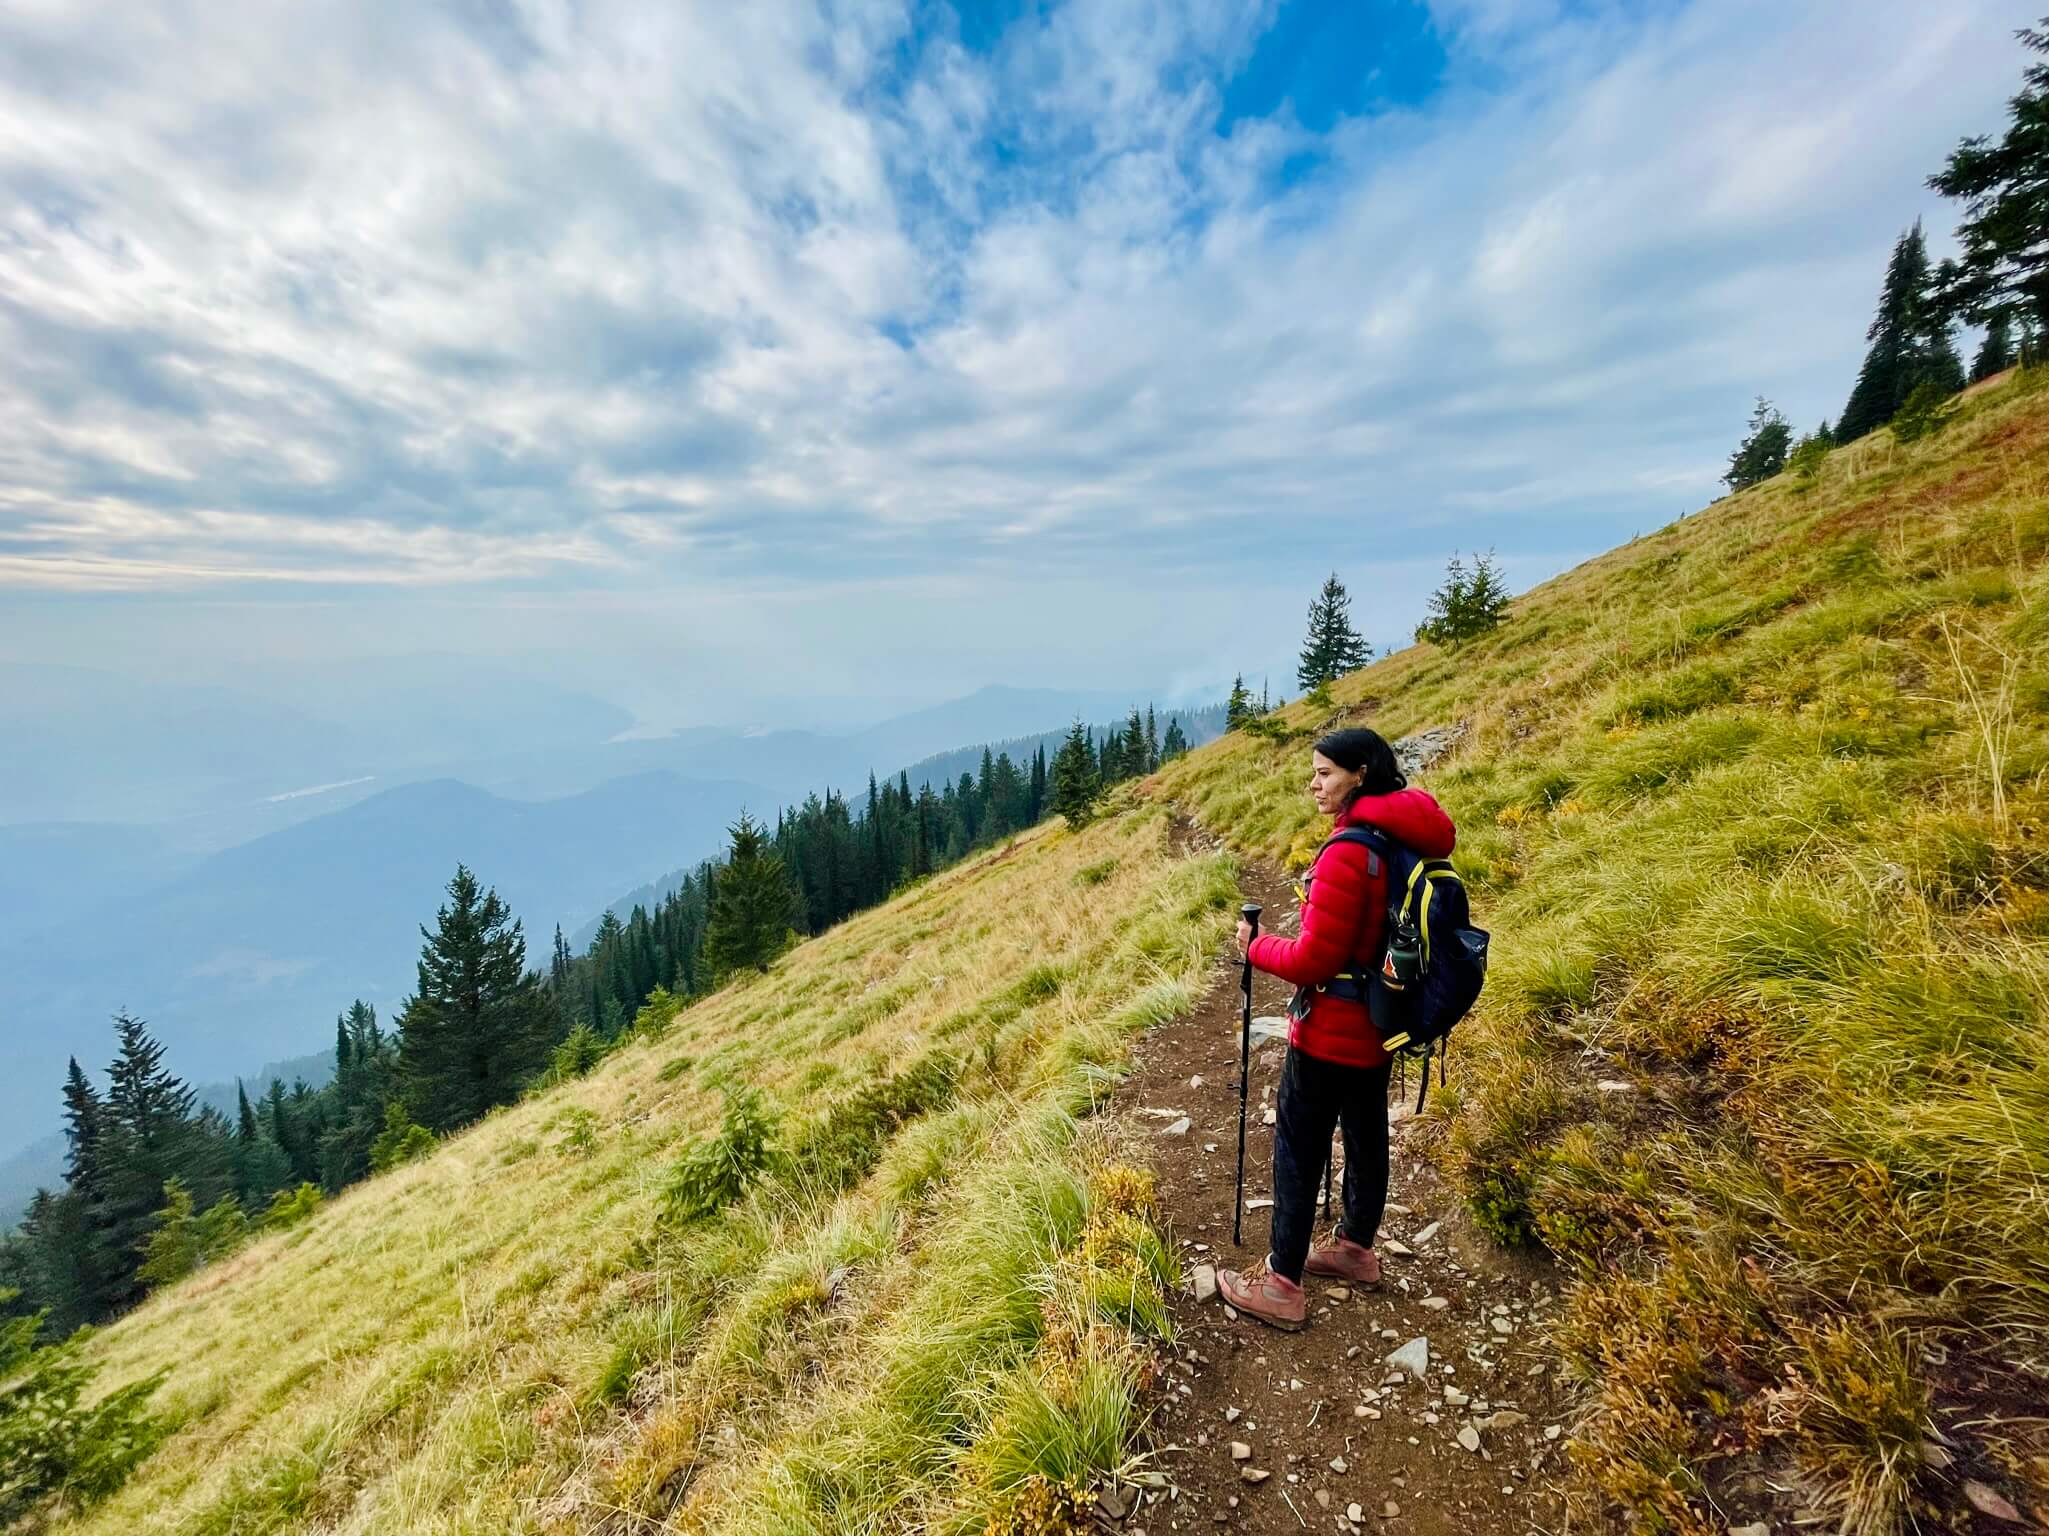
(714, 1173)
(51, 1447)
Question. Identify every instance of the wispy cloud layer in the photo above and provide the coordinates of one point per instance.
(436, 295)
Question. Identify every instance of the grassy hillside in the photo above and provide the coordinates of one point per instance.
(1756, 809)
(928, 1296)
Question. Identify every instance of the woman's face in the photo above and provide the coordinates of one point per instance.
(1329, 784)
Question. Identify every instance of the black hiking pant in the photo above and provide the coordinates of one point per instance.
(1316, 1097)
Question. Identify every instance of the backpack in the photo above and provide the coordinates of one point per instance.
(1433, 962)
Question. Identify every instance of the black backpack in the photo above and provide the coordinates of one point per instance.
(1432, 963)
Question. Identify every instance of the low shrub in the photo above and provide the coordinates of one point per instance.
(715, 1172)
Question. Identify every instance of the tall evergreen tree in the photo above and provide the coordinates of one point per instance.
(756, 906)
(1333, 647)
(1238, 709)
(1762, 453)
(1910, 342)
(1176, 741)
(473, 1031)
(1995, 355)
(2004, 270)
(1076, 778)
(1152, 741)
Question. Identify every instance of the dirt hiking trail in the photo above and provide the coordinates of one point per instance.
(1261, 1430)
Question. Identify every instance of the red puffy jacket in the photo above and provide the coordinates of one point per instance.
(1344, 922)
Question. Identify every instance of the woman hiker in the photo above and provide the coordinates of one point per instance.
(1335, 1072)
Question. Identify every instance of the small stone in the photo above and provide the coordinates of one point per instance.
(1323, 1497)
(1178, 1128)
(1338, 1464)
(1195, 1081)
(1113, 1502)
(1354, 1513)
(1553, 1431)
(1469, 1437)
(1209, 1146)
(1501, 1325)
(1989, 1501)
(1398, 1248)
(1755, 1528)
(1231, 1415)
(1394, 1209)
(1352, 1352)
(1615, 1085)
(1424, 1236)
(1231, 1312)
(1436, 1303)
(1506, 1418)
(1340, 1293)
(1413, 1357)
(1455, 1398)
(1254, 1474)
(1240, 1451)
(1268, 1118)
(1390, 1509)
(1205, 1281)
(1364, 1412)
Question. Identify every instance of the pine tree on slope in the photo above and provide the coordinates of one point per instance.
(754, 910)
(2004, 271)
(1076, 783)
(1333, 647)
(1910, 341)
(472, 1033)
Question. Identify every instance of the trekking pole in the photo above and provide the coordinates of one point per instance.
(1250, 912)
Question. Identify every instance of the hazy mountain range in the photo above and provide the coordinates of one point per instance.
(244, 950)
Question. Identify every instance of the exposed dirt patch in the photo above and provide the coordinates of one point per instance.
(1321, 1410)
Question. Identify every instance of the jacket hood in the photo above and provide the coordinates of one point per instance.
(1409, 816)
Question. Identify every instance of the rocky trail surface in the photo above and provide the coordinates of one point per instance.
(1426, 1408)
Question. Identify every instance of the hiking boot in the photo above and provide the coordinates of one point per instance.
(1265, 1295)
(1343, 1259)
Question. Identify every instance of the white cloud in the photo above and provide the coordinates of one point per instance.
(611, 293)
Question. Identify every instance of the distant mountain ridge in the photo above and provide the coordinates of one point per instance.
(1198, 725)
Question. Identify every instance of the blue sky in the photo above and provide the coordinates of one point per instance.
(711, 354)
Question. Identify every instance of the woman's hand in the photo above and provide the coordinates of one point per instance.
(1244, 937)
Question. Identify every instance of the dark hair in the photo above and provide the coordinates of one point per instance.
(1364, 752)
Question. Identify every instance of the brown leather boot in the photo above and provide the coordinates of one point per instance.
(1343, 1259)
(1265, 1295)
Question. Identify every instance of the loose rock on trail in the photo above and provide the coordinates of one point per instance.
(1426, 1408)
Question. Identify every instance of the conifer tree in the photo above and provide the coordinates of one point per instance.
(1910, 342)
(1076, 780)
(1238, 709)
(1176, 741)
(1465, 605)
(1038, 799)
(473, 1032)
(755, 908)
(1152, 741)
(1333, 647)
(2004, 270)
(1762, 453)
(1995, 354)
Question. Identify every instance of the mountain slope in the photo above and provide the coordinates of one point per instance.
(518, 1334)
(1755, 807)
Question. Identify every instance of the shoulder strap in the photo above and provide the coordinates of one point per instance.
(1375, 843)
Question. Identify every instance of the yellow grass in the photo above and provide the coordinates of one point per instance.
(506, 1336)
